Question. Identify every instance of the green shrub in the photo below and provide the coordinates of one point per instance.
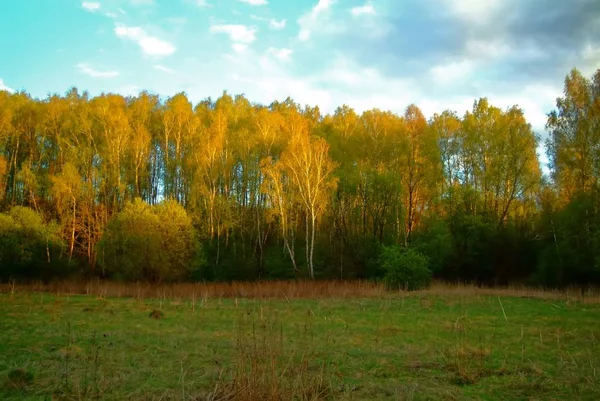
(150, 243)
(435, 241)
(29, 247)
(404, 268)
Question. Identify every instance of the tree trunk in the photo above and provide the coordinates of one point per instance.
(312, 244)
(308, 259)
(72, 245)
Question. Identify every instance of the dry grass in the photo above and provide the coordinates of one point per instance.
(266, 368)
(288, 290)
(257, 290)
(589, 295)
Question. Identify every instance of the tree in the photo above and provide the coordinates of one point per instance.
(574, 143)
(571, 214)
(307, 164)
(420, 169)
(263, 184)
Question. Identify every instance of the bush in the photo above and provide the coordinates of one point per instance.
(435, 241)
(153, 243)
(404, 268)
(29, 248)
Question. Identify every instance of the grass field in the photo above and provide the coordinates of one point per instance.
(297, 341)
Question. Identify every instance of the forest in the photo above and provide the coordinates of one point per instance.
(142, 188)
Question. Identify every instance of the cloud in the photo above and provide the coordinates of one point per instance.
(142, 3)
(239, 47)
(537, 40)
(202, 3)
(323, 5)
(476, 11)
(273, 23)
(366, 9)
(237, 33)
(164, 69)
(254, 2)
(281, 54)
(90, 6)
(340, 82)
(590, 58)
(150, 45)
(128, 90)
(277, 25)
(452, 73)
(3, 86)
(309, 21)
(86, 69)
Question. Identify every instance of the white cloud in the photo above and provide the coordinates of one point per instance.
(281, 54)
(452, 73)
(487, 49)
(164, 69)
(323, 5)
(476, 11)
(128, 90)
(309, 21)
(142, 2)
(499, 50)
(273, 23)
(237, 33)
(122, 11)
(366, 9)
(277, 25)
(590, 52)
(536, 100)
(239, 47)
(590, 58)
(202, 3)
(150, 45)
(255, 2)
(90, 6)
(112, 15)
(92, 72)
(263, 80)
(3, 86)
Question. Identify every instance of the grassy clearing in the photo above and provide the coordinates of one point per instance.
(444, 343)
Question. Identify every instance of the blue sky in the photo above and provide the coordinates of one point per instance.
(387, 54)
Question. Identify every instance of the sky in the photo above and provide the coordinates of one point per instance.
(386, 54)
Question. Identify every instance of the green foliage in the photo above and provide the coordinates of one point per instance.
(571, 249)
(404, 268)
(434, 241)
(471, 257)
(154, 243)
(29, 248)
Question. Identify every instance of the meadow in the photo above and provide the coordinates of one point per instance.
(296, 340)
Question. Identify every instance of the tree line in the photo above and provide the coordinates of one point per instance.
(144, 189)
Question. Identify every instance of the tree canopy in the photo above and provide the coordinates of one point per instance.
(135, 186)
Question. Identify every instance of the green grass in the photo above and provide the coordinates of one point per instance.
(420, 346)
